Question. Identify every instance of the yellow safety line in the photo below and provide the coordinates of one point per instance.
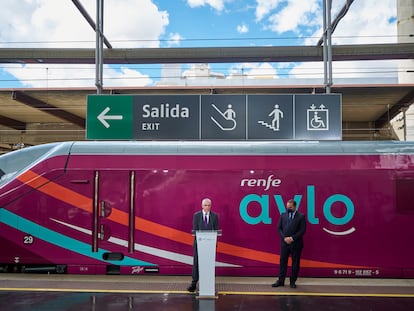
(91, 290)
(316, 294)
(138, 291)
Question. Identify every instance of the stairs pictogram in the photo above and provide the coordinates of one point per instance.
(267, 125)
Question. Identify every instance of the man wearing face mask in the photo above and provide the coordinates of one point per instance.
(291, 227)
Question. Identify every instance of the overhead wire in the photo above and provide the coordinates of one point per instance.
(215, 39)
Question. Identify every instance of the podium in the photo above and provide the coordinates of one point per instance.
(206, 249)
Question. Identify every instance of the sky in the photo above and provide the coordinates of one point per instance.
(189, 23)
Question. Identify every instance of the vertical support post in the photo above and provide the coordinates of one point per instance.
(325, 48)
(99, 47)
(327, 45)
(405, 123)
(329, 37)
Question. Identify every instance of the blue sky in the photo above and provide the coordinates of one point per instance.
(236, 24)
(188, 23)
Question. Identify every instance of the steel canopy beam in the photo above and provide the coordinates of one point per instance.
(90, 20)
(12, 123)
(208, 54)
(340, 15)
(404, 102)
(50, 109)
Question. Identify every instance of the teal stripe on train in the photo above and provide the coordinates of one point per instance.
(61, 240)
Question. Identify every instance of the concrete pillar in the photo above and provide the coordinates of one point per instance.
(405, 24)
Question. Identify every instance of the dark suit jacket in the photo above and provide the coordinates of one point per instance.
(296, 229)
(198, 222)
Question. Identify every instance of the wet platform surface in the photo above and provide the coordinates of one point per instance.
(152, 292)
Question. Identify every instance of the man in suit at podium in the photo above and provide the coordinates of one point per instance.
(202, 220)
(291, 227)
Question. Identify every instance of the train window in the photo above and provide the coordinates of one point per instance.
(13, 162)
(404, 197)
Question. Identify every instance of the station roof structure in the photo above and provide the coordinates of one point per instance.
(32, 116)
(208, 54)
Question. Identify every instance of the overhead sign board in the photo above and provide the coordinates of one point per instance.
(214, 117)
(109, 117)
(166, 117)
(223, 117)
(271, 117)
(317, 116)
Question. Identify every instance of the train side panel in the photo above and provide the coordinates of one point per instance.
(133, 213)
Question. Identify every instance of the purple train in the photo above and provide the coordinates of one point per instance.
(127, 207)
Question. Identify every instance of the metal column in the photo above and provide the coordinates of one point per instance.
(99, 47)
(327, 45)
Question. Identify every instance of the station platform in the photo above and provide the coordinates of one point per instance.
(35, 292)
(224, 285)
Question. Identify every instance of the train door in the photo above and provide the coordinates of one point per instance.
(113, 214)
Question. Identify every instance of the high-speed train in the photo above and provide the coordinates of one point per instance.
(127, 207)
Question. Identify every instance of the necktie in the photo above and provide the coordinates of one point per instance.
(205, 220)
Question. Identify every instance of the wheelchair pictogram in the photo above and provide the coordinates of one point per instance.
(317, 118)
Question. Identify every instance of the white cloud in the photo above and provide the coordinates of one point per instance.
(15, 26)
(242, 28)
(347, 70)
(215, 4)
(294, 15)
(253, 71)
(174, 39)
(367, 22)
(58, 76)
(264, 7)
(58, 23)
(135, 20)
(125, 77)
(262, 71)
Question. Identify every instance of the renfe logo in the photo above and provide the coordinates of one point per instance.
(266, 183)
(264, 202)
